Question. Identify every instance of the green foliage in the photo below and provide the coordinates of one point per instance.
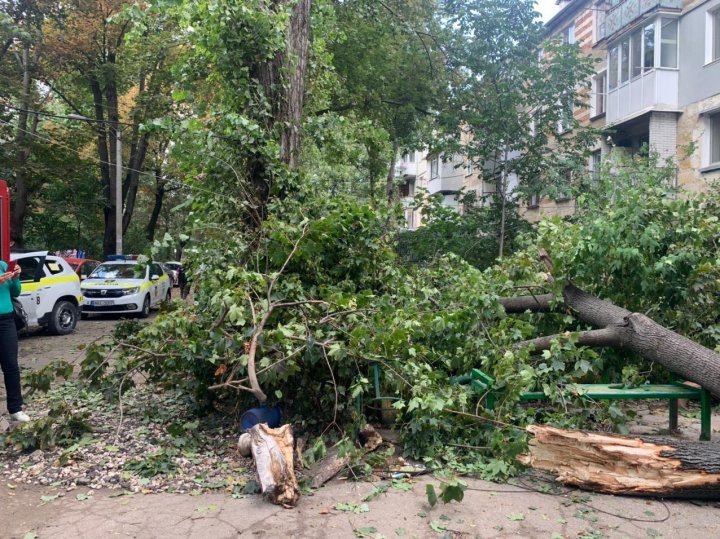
(161, 461)
(40, 380)
(62, 426)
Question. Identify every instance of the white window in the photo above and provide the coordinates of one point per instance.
(714, 121)
(411, 157)
(566, 114)
(469, 167)
(625, 60)
(668, 42)
(595, 164)
(649, 46)
(636, 54)
(613, 68)
(534, 201)
(434, 168)
(599, 82)
(568, 35)
(712, 35)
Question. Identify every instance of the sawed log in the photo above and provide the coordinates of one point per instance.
(613, 464)
(272, 450)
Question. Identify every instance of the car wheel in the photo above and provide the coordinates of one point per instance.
(63, 318)
(145, 308)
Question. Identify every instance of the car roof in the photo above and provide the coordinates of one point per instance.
(15, 255)
(126, 262)
(79, 260)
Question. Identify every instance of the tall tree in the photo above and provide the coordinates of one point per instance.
(513, 93)
(92, 66)
(22, 38)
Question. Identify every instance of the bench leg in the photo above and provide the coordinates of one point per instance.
(705, 416)
(673, 414)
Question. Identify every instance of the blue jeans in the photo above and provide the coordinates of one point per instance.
(9, 362)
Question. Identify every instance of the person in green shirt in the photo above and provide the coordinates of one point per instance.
(10, 288)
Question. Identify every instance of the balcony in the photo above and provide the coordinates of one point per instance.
(406, 168)
(450, 179)
(656, 89)
(625, 12)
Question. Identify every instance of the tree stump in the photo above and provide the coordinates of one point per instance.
(272, 450)
(613, 464)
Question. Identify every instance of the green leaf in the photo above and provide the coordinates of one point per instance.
(516, 516)
(400, 532)
(438, 526)
(83, 497)
(49, 498)
(431, 495)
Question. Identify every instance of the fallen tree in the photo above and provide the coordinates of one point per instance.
(646, 466)
(620, 328)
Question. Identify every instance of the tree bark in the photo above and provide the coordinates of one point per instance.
(540, 303)
(390, 180)
(272, 450)
(631, 331)
(22, 155)
(644, 466)
(157, 206)
(137, 158)
(104, 158)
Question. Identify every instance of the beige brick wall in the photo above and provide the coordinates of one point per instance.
(691, 131)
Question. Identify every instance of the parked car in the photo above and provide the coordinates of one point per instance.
(125, 286)
(174, 267)
(51, 294)
(82, 266)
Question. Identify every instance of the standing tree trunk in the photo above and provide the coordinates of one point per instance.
(503, 206)
(157, 206)
(22, 155)
(283, 79)
(390, 181)
(104, 158)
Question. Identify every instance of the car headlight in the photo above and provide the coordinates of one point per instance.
(130, 291)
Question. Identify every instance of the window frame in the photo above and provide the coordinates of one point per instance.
(599, 103)
(664, 41)
(434, 168)
(713, 138)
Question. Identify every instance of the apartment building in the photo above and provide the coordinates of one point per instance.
(657, 83)
(658, 80)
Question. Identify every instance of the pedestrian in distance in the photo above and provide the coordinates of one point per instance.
(10, 288)
(183, 282)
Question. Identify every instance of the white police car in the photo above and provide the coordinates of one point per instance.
(50, 293)
(125, 286)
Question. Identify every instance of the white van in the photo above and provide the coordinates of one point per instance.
(50, 293)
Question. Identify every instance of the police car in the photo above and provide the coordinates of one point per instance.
(124, 287)
(50, 293)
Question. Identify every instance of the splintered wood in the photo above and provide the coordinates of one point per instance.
(272, 450)
(643, 466)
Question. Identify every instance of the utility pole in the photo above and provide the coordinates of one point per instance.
(118, 192)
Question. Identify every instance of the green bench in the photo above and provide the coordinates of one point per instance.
(672, 392)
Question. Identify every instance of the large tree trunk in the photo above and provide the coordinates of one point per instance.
(390, 180)
(645, 466)
(157, 206)
(22, 155)
(272, 450)
(137, 158)
(104, 158)
(636, 332)
(283, 79)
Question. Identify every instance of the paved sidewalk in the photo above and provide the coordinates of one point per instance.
(489, 510)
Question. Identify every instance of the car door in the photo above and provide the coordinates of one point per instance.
(156, 273)
(31, 273)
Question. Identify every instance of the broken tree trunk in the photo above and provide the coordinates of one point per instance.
(272, 450)
(327, 468)
(621, 328)
(641, 466)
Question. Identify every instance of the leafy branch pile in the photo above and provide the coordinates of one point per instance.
(313, 302)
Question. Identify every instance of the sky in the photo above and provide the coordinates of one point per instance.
(547, 8)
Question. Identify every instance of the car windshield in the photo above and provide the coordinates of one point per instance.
(172, 266)
(74, 266)
(115, 271)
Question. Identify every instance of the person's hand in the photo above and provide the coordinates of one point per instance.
(16, 272)
(5, 277)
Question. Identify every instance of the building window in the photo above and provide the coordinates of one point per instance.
(636, 54)
(715, 35)
(599, 90)
(434, 166)
(668, 42)
(534, 201)
(625, 60)
(613, 69)
(568, 35)
(469, 167)
(715, 138)
(649, 46)
(595, 164)
(566, 114)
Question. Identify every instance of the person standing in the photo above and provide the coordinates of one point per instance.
(10, 288)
